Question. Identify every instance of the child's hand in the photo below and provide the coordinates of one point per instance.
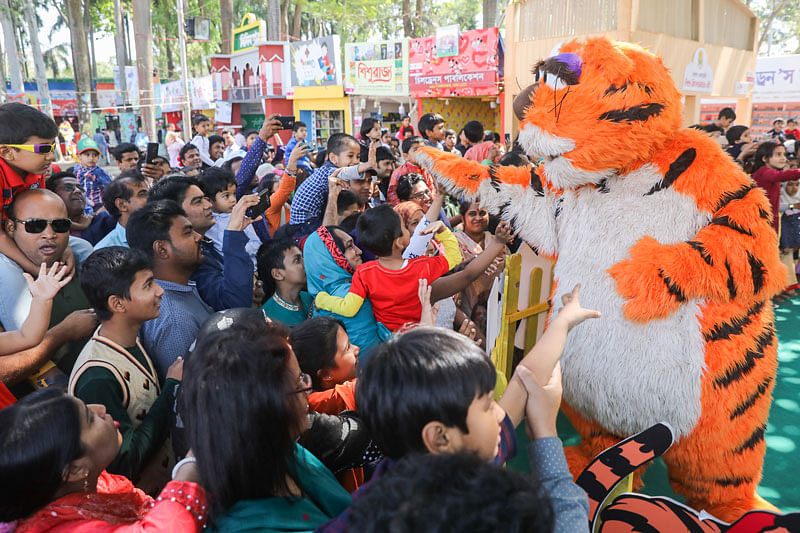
(429, 312)
(270, 127)
(301, 150)
(494, 269)
(372, 160)
(239, 221)
(572, 312)
(48, 283)
(470, 330)
(503, 233)
(541, 408)
(335, 185)
(434, 227)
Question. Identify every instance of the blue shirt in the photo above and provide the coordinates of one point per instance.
(171, 334)
(310, 196)
(217, 233)
(437, 145)
(303, 162)
(225, 280)
(115, 237)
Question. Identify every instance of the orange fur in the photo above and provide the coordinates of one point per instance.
(621, 115)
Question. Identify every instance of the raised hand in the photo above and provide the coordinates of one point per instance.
(49, 282)
(572, 311)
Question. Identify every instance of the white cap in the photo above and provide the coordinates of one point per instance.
(264, 169)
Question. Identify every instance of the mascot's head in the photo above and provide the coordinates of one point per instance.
(596, 109)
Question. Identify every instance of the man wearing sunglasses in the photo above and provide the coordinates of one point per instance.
(38, 225)
(27, 147)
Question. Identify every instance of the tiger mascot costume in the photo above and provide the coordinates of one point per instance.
(670, 240)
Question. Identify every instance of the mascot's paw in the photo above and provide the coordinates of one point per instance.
(650, 293)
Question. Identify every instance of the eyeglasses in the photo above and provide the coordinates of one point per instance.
(37, 225)
(303, 384)
(35, 148)
(71, 187)
(421, 194)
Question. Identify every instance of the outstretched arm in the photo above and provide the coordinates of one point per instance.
(520, 195)
(733, 258)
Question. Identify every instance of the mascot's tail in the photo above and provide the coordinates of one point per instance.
(638, 512)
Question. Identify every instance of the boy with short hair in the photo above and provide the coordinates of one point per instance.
(202, 125)
(432, 129)
(299, 135)
(126, 155)
(114, 370)
(776, 133)
(27, 149)
(219, 186)
(123, 196)
(281, 271)
(391, 283)
(307, 206)
(791, 130)
(216, 147)
(444, 404)
(92, 177)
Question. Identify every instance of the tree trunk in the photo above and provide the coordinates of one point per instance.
(419, 27)
(273, 20)
(119, 45)
(170, 61)
(226, 21)
(143, 37)
(284, 20)
(80, 64)
(297, 19)
(489, 13)
(14, 65)
(408, 29)
(22, 52)
(776, 11)
(38, 60)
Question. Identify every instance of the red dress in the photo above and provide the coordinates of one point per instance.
(120, 507)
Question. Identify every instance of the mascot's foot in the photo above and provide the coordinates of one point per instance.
(733, 510)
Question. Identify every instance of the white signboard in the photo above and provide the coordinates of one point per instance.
(201, 92)
(698, 76)
(777, 79)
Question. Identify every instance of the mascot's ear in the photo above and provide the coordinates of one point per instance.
(610, 60)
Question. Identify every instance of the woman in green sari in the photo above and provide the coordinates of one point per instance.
(244, 404)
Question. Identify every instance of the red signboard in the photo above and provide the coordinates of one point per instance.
(473, 72)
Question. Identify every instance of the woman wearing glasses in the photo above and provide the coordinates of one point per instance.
(244, 404)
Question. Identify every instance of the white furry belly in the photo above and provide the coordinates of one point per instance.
(625, 375)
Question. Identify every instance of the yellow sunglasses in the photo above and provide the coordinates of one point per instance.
(35, 148)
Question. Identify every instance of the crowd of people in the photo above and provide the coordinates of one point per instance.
(246, 336)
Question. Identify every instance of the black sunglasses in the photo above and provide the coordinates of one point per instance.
(37, 225)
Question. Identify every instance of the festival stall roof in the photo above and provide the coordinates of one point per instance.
(708, 45)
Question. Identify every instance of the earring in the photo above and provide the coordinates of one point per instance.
(86, 483)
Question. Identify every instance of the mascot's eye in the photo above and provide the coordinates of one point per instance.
(554, 82)
(540, 74)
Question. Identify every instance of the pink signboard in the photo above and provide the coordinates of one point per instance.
(474, 71)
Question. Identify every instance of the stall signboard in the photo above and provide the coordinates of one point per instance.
(172, 96)
(698, 76)
(251, 31)
(201, 92)
(316, 63)
(378, 69)
(474, 71)
(777, 79)
(131, 85)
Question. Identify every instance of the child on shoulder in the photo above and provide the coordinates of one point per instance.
(91, 177)
(392, 282)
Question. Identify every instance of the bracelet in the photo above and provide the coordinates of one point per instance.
(182, 462)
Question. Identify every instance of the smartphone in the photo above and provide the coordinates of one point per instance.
(152, 153)
(508, 138)
(287, 122)
(262, 205)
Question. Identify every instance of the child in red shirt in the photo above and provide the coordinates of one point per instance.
(391, 283)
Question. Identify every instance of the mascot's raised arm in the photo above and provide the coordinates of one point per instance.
(671, 241)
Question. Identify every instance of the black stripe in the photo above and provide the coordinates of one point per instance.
(744, 367)
(676, 168)
(763, 213)
(613, 89)
(731, 284)
(638, 522)
(728, 223)
(702, 251)
(493, 181)
(730, 196)
(733, 481)
(602, 186)
(637, 113)
(536, 182)
(735, 326)
(558, 207)
(672, 288)
(753, 440)
(751, 400)
(757, 270)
